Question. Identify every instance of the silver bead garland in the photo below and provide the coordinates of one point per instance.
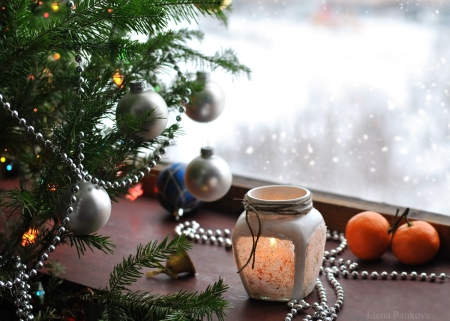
(194, 232)
(18, 286)
(347, 268)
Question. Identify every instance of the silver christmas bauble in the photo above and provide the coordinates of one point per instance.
(208, 104)
(208, 177)
(91, 209)
(140, 100)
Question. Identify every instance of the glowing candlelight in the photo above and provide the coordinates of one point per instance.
(273, 275)
(284, 261)
(273, 242)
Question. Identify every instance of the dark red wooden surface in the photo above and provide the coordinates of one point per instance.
(144, 220)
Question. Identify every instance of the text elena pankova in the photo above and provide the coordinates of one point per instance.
(397, 315)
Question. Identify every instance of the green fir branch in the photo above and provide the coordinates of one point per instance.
(41, 89)
(178, 306)
(91, 242)
(149, 256)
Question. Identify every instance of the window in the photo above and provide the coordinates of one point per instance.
(348, 97)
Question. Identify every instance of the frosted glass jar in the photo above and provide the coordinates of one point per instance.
(288, 253)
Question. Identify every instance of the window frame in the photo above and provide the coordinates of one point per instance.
(335, 209)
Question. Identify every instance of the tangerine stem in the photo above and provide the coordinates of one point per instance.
(406, 217)
(393, 227)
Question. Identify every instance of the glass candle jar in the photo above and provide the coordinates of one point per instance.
(278, 243)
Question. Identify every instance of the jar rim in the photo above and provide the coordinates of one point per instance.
(279, 194)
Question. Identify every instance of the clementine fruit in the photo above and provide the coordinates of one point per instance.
(367, 235)
(415, 242)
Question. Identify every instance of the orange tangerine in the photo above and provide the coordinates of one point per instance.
(415, 242)
(367, 235)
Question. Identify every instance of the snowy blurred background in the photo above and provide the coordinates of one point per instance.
(348, 97)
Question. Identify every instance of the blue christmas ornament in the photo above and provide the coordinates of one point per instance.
(172, 193)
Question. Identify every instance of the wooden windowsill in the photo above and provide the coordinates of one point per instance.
(144, 220)
(336, 209)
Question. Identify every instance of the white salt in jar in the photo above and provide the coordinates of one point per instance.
(278, 243)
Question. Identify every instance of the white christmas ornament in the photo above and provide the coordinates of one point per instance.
(208, 177)
(140, 100)
(208, 104)
(91, 209)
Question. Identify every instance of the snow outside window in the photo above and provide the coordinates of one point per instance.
(347, 96)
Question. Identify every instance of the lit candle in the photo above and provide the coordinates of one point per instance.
(278, 243)
(274, 270)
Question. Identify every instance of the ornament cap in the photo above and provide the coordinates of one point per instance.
(207, 152)
(137, 85)
(202, 76)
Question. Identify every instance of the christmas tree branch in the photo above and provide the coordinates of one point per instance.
(118, 302)
(150, 256)
(84, 242)
(179, 306)
(39, 78)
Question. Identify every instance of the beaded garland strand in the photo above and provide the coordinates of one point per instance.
(331, 267)
(194, 232)
(19, 286)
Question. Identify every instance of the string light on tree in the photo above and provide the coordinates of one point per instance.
(55, 6)
(29, 237)
(118, 78)
(225, 4)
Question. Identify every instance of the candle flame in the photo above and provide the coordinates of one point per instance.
(273, 242)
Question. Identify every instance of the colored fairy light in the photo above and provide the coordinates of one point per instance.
(9, 167)
(134, 192)
(3, 159)
(29, 236)
(39, 293)
(55, 6)
(56, 56)
(118, 78)
(46, 15)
